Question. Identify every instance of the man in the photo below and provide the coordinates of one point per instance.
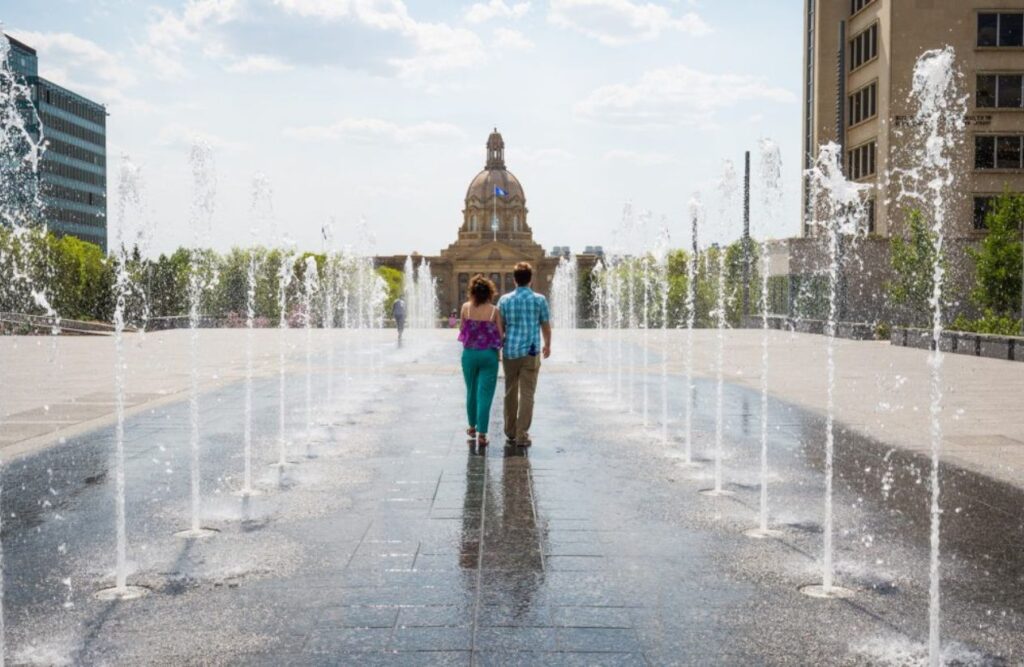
(526, 316)
(398, 312)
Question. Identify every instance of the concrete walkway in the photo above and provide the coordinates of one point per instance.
(55, 388)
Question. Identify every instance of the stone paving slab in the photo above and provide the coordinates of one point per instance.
(400, 544)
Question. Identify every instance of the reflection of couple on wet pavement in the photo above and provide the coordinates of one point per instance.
(501, 536)
(516, 326)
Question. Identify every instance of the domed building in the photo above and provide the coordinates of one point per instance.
(494, 235)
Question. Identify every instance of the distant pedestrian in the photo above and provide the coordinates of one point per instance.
(398, 313)
(526, 317)
(453, 319)
(481, 334)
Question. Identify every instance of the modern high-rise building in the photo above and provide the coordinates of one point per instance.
(859, 58)
(73, 178)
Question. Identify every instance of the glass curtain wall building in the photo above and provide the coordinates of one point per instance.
(74, 167)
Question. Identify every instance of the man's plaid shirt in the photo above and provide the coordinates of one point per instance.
(523, 312)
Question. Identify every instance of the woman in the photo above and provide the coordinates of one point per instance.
(481, 334)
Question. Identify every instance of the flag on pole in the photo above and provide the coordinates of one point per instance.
(499, 192)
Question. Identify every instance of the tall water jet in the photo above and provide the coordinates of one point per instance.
(632, 322)
(598, 282)
(661, 264)
(21, 152)
(284, 279)
(329, 288)
(261, 210)
(938, 131)
(22, 146)
(727, 187)
(771, 199)
(419, 290)
(129, 204)
(618, 323)
(696, 211)
(838, 207)
(564, 302)
(645, 311)
(309, 290)
(204, 185)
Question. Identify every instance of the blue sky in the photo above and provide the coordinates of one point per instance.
(381, 108)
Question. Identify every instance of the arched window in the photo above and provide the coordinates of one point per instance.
(472, 223)
(515, 223)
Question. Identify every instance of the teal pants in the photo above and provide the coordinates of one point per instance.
(480, 369)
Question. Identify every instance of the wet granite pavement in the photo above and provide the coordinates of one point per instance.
(397, 543)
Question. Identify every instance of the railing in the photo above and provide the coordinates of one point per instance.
(22, 323)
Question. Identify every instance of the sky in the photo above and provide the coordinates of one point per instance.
(379, 110)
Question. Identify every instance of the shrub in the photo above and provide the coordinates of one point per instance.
(990, 323)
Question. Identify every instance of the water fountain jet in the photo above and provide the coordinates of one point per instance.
(129, 203)
(204, 196)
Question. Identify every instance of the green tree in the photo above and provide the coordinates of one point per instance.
(167, 284)
(913, 269)
(393, 278)
(998, 258)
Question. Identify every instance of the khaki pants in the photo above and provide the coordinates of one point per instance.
(520, 387)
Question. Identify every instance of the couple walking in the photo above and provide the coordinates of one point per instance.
(516, 325)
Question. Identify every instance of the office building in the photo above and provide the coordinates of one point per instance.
(73, 173)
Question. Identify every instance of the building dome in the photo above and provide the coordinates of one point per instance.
(494, 174)
(482, 186)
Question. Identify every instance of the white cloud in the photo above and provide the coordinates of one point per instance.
(171, 33)
(481, 12)
(542, 155)
(85, 67)
(677, 95)
(618, 22)
(512, 40)
(228, 30)
(377, 131)
(258, 65)
(436, 46)
(334, 9)
(76, 59)
(639, 158)
(439, 47)
(177, 135)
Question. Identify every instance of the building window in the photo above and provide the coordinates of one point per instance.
(1008, 152)
(984, 152)
(809, 113)
(869, 213)
(864, 47)
(999, 91)
(857, 5)
(861, 161)
(510, 282)
(463, 287)
(982, 204)
(1001, 29)
(863, 104)
(472, 223)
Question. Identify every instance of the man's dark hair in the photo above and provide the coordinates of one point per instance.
(523, 274)
(481, 289)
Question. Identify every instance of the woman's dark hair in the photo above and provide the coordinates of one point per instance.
(481, 289)
(523, 274)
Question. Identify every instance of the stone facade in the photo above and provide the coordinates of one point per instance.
(858, 65)
(494, 236)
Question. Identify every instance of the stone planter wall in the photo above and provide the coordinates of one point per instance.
(850, 330)
(1009, 348)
